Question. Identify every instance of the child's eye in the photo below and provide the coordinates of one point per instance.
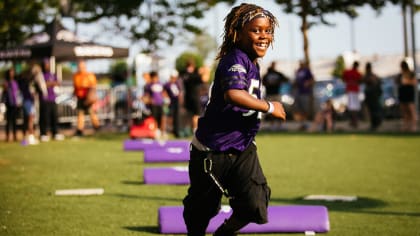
(269, 31)
(258, 31)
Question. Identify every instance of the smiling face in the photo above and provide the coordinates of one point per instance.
(255, 37)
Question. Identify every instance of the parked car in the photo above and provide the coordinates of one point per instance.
(287, 98)
(334, 90)
(390, 98)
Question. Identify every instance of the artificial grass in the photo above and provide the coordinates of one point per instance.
(382, 170)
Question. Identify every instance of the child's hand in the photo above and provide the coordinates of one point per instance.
(278, 110)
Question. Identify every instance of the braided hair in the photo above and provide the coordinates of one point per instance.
(236, 20)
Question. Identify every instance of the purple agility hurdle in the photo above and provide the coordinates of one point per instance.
(281, 219)
(167, 154)
(143, 144)
(166, 175)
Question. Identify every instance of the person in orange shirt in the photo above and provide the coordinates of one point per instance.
(84, 83)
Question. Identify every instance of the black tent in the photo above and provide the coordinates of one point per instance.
(61, 44)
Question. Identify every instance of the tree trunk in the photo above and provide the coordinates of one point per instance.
(304, 30)
(404, 15)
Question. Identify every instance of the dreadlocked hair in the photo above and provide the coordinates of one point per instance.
(235, 21)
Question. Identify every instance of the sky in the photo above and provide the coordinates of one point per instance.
(373, 33)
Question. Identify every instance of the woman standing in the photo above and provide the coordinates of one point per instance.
(407, 83)
(12, 98)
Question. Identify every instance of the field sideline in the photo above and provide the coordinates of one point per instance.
(381, 170)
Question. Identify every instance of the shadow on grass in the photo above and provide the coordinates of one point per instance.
(362, 205)
(341, 133)
(132, 182)
(146, 229)
(139, 197)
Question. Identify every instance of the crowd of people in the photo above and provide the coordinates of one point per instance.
(184, 91)
(23, 91)
(34, 92)
(321, 118)
(185, 94)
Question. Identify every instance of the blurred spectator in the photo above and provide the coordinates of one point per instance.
(12, 98)
(155, 95)
(192, 82)
(324, 119)
(272, 81)
(407, 83)
(373, 92)
(352, 78)
(173, 89)
(84, 84)
(48, 117)
(31, 82)
(303, 86)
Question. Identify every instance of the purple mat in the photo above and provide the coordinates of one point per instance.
(167, 154)
(143, 144)
(166, 175)
(285, 219)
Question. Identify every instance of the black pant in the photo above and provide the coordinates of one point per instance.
(242, 176)
(11, 118)
(174, 111)
(48, 117)
(157, 113)
(375, 112)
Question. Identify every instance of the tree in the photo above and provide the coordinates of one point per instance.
(18, 18)
(204, 43)
(314, 12)
(150, 23)
(182, 60)
(339, 67)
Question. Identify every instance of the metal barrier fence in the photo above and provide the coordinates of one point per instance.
(112, 105)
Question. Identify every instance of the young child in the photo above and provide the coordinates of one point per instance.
(223, 158)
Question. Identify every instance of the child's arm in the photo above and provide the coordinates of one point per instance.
(243, 99)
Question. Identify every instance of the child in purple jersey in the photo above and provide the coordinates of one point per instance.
(155, 95)
(48, 113)
(223, 158)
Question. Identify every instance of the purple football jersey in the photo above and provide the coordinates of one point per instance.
(155, 91)
(225, 126)
(50, 90)
(173, 90)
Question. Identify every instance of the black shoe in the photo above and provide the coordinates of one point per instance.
(224, 231)
(78, 133)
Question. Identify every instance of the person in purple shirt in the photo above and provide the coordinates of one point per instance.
(13, 100)
(155, 95)
(174, 91)
(29, 83)
(48, 116)
(303, 85)
(223, 158)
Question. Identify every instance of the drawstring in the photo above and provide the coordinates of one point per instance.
(208, 164)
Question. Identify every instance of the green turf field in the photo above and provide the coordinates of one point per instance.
(382, 170)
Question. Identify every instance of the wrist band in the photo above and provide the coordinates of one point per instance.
(270, 107)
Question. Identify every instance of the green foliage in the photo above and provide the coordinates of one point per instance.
(317, 11)
(181, 61)
(339, 67)
(17, 20)
(151, 24)
(204, 44)
(119, 71)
